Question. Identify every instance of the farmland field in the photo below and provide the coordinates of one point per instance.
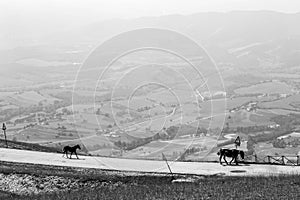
(289, 103)
(263, 149)
(274, 87)
(173, 149)
(129, 120)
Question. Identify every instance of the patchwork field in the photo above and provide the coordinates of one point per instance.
(274, 87)
(173, 149)
(290, 103)
(264, 149)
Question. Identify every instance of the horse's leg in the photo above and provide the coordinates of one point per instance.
(71, 155)
(76, 155)
(225, 159)
(231, 160)
(220, 159)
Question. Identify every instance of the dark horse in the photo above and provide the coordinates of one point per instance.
(233, 153)
(72, 150)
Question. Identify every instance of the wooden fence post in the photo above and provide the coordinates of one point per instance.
(298, 160)
(4, 131)
(255, 157)
(269, 159)
(282, 157)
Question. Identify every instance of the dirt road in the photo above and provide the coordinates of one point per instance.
(200, 168)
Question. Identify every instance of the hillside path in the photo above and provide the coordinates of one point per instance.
(201, 168)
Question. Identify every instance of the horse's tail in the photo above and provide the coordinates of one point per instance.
(64, 149)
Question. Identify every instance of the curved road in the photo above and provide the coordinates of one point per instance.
(200, 168)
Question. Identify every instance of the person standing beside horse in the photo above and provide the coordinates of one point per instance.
(232, 153)
(237, 142)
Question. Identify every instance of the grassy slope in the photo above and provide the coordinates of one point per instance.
(130, 185)
(287, 187)
(27, 146)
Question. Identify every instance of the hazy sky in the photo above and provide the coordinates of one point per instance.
(95, 10)
(22, 18)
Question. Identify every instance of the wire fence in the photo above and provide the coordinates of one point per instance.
(279, 160)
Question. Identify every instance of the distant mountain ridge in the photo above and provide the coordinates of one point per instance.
(229, 37)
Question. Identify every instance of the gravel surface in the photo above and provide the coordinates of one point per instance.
(24, 184)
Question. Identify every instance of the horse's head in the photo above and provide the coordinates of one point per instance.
(78, 146)
(219, 152)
